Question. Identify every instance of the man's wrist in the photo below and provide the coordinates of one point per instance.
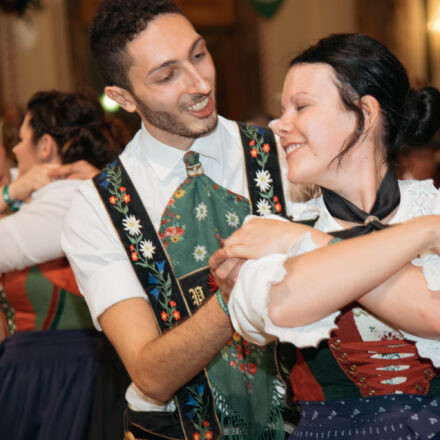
(221, 302)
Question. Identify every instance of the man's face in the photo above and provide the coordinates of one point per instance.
(173, 81)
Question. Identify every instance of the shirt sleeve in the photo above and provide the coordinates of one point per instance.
(102, 270)
(248, 303)
(430, 264)
(32, 235)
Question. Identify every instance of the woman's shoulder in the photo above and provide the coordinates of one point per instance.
(307, 210)
(423, 188)
(418, 197)
(58, 189)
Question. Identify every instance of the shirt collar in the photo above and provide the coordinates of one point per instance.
(165, 159)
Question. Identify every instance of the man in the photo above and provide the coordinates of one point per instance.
(155, 63)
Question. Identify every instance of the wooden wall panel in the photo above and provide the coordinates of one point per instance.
(210, 13)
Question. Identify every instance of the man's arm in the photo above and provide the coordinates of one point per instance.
(161, 364)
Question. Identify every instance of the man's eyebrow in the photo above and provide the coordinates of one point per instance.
(196, 43)
(171, 62)
(161, 66)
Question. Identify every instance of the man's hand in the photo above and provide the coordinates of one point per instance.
(225, 271)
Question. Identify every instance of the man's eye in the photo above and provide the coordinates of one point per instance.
(167, 77)
(199, 56)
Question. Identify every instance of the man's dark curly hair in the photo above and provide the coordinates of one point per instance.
(116, 23)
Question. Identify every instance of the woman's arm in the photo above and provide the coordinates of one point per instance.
(405, 302)
(19, 190)
(322, 281)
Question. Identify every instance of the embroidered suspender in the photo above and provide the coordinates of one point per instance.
(168, 296)
(262, 170)
(156, 276)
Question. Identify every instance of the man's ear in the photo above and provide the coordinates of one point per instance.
(47, 149)
(122, 96)
(371, 109)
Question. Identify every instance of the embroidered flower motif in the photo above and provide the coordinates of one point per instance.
(263, 180)
(252, 142)
(113, 200)
(252, 368)
(147, 249)
(134, 256)
(164, 316)
(176, 315)
(254, 153)
(199, 252)
(208, 435)
(122, 188)
(132, 225)
(179, 193)
(201, 211)
(263, 207)
(175, 233)
(126, 198)
(266, 148)
(232, 219)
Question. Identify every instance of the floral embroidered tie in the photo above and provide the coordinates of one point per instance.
(198, 217)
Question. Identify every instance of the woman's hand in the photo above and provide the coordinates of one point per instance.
(81, 170)
(262, 236)
(36, 178)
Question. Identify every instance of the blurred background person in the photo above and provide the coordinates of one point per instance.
(57, 375)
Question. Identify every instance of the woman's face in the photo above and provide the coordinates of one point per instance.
(314, 126)
(26, 150)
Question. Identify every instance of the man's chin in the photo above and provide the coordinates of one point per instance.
(210, 126)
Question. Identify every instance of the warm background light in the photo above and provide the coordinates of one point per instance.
(108, 104)
(434, 25)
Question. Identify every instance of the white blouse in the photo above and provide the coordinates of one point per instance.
(249, 298)
(33, 234)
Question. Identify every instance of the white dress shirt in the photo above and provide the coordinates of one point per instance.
(104, 274)
(33, 234)
(249, 298)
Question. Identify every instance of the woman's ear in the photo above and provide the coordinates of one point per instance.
(371, 109)
(47, 149)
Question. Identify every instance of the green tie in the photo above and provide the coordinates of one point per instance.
(198, 217)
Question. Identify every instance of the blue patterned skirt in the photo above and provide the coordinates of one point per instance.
(390, 417)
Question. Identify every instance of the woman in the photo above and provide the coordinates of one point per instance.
(347, 109)
(50, 380)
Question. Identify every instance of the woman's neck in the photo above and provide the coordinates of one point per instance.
(358, 179)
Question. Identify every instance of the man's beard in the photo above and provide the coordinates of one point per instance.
(171, 123)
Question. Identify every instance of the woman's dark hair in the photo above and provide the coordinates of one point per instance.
(77, 123)
(116, 23)
(363, 66)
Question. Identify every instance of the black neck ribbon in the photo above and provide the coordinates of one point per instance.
(387, 199)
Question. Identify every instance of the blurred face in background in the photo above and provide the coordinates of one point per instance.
(26, 151)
